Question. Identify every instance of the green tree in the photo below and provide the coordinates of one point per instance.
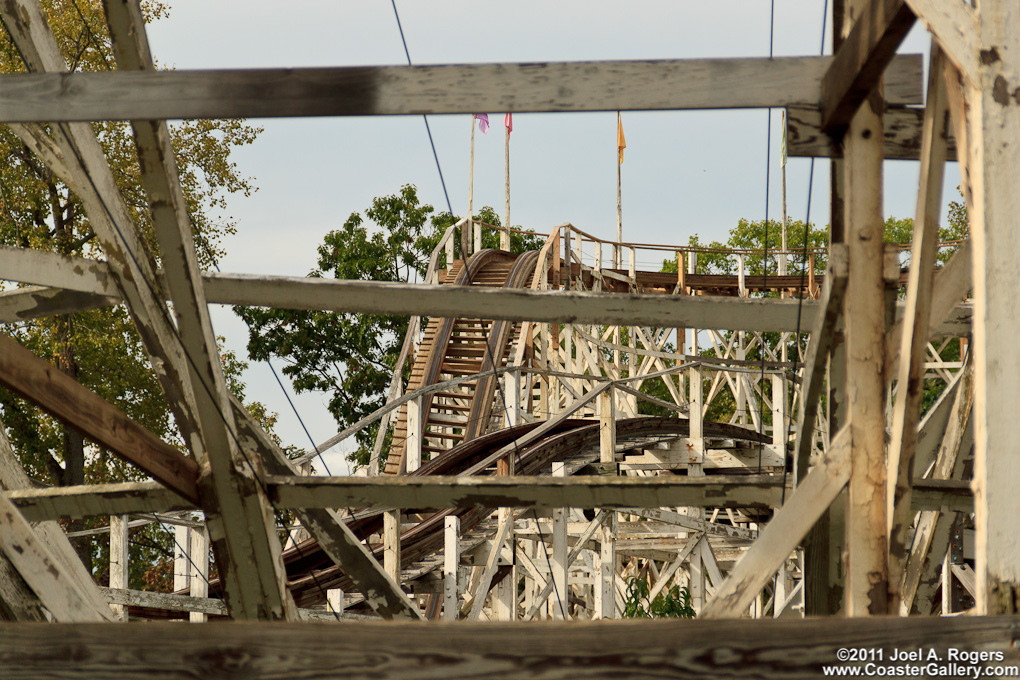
(101, 348)
(351, 357)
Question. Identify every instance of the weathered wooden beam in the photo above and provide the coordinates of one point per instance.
(405, 90)
(392, 298)
(901, 135)
(366, 649)
(42, 570)
(306, 494)
(54, 391)
(239, 518)
(867, 545)
(994, 165)
(822, 334)
(96, 500)
(914, 339)
(859, 62)
(338, 542)
(954, 26)
(781, 535)
(17, 600)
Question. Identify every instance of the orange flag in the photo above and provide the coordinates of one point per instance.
(621, 143)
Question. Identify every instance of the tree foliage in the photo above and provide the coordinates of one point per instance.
(350, 357)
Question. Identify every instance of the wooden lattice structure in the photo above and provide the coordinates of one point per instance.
(530, 368)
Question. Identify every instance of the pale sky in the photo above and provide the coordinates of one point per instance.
(684, 172)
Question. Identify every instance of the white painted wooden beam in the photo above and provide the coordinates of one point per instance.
(239, 518)
(640, 496)
(954, 26)
(405, 90)
(994, 121)
(914, 338)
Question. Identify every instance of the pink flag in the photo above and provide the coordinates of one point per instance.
(508, 121)
(483, 122)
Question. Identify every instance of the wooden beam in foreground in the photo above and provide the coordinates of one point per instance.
(914, 338)
(396, 298)
(778, 648)
(405, 90)
(239, 518)
(309, 493)
(862, 58)
(901, 135)
(54, 391)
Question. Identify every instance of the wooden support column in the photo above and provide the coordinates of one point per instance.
(119, 559)
(994, 126)
(182, 567)
(415, 429)
(558, 603)
(867, 547)
(914, 339)
(607, 426)
(605, 573)
(199, 552)
(391, 544)
(335, 600)
(451, 560)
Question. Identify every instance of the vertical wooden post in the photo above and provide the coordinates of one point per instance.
(468, 230)
(605, 573)
(512, 394)
(182, 567)
(824, 546)
(994, 165)
(199, 568)
(119, 559)
(607, 426)
(779, 390)
(413, 451)
(391, 544)
(451, 560)
(741, 395)
(741, 280)
(335, 600)
(633, 362)
(558, 602)
(867, 569)
(692, 268)
(696, 459)
(504, 236)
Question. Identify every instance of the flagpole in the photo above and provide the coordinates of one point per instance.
(619, 201)
(504, 236)
(466, 237)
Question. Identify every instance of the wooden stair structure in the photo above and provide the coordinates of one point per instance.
(452, 348)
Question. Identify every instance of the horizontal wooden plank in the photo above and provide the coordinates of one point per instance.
(770, 648)
(538, 492)
(901, 129)
(51, 389)
(452, 301)
(76, 502)
(399, 90)
(205, 605)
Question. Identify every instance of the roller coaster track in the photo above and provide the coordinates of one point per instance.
(459, 429)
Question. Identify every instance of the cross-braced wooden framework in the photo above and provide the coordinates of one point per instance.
(825, 493)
